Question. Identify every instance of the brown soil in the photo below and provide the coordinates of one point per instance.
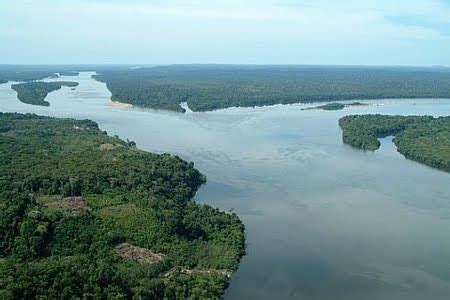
(198, 271)
(141, 255)
(106, 146)
(71, 205)
(10, 133)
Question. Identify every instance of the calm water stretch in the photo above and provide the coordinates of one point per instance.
(323, 220)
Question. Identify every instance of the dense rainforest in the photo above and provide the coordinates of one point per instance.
(35, 92)
(209, 87)
(86, 215)
(421, 138)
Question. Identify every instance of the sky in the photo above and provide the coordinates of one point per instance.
(324, 32)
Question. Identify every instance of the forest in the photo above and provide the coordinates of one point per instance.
(35, 92)
(424, 139)
(68, 73)
(209, 87)
(86, 215)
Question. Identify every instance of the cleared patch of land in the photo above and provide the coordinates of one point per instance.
(107, 146)
(69, 205)
(139, 254)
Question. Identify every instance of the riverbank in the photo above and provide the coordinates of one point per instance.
(118, 104)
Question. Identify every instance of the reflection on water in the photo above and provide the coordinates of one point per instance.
(324, 221)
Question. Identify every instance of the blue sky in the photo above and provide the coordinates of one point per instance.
(252, 32)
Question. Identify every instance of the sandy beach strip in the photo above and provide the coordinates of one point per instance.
(115, 103)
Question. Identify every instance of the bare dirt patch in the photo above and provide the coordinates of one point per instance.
(141, 255)
(107, 146)
(10, 133)
(183, 271)
(70, 205)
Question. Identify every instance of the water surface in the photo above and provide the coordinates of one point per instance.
(323, 220)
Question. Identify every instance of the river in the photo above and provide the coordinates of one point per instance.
(323, 220)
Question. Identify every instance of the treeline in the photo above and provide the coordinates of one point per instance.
(23, 75)
(210, 87)
(335, 106)
(39, 72)
(421, 138)
(35, 92)
(28, 73)
(70, 195)
(68, 73)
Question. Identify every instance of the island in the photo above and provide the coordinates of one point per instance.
(69, 73)
(210, 87)
(35, 92)
(424, 139)
(87, 215)
(335, 106)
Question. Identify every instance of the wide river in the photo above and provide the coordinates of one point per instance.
(323, 220)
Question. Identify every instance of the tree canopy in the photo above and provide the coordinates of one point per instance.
(85, 215)
(209, 87)
(421, 138)
(35, 92)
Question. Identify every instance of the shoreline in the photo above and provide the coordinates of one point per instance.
(118, 104)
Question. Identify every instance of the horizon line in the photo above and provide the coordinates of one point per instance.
(222, 64)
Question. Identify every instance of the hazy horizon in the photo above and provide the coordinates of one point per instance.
(147, 65)
(267, 32)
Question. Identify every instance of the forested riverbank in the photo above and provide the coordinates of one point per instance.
(88, 215)
(421, 138)
(210, 87)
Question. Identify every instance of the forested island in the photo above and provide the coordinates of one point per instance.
(35, 92)
(69, 73)
(85, 215)
(335, 106)
(209, 87)
(421, 138)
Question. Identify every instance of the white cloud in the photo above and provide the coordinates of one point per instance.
(163, 25)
